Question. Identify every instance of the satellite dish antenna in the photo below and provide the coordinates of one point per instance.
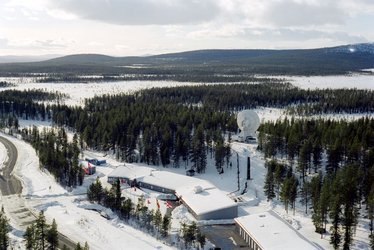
(248, 123)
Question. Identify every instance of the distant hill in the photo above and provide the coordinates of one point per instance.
(18, 59)
(334, 60)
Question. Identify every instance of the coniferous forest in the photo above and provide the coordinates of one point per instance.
(327, 165)
(333, 163)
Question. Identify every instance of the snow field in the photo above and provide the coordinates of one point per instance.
(69, 209)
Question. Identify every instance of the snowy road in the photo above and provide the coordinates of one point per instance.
(8, 183)
(11, 189)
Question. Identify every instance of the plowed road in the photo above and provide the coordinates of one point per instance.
(11, 189)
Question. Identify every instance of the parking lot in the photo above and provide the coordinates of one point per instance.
(224, 237)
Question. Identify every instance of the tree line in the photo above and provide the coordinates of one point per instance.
(330, 168)
(28, 104)
(5, 84)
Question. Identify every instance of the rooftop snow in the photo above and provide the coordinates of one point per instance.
(208, 200)
(271, 232)
(173, 181)
(131, 171)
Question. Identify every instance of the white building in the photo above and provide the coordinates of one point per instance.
(204, 200)
(268, 231)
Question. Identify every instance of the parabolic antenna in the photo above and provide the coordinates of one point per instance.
(248, 123)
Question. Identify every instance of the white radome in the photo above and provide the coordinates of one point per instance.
(248, 122)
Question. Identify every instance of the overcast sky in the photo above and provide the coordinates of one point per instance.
(141, 27)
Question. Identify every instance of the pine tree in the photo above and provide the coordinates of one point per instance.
(52, 236)
(279, 174)
(303, 161)
(4, 230)
(371, 209)
(78, 246)
(30, 237)
(157, 219)
(86, 247)
(201, 239)
(293, 192)
(269, 182)
(95, 191)
(305, 195)
(335, 214)
(166, 223)
(118, 194)
(321, 207)
(219, 155)
(126, 208)
(289, 191)
(41, 230)
(189, 235)
(350, 178)
(317, 154)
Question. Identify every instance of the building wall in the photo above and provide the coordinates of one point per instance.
(156, 188)
(248, 238)
(219, 214)
(112, 180)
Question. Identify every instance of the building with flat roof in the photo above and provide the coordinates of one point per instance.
(204, 200)
(269, 231)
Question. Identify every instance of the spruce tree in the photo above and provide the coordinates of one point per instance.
(269, 182)
(86, 247)
(78, 246)
(157, 219)
(370, 206)
(166, 223)
(305, 195)
(118, 194)
(201, 239)
(4, 230)
(30, 238)
(41, 228)
(52, 236)
(335, 214)
(126, 208)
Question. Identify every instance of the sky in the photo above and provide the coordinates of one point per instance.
(144, 27)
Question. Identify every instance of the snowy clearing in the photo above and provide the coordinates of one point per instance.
(358, 81)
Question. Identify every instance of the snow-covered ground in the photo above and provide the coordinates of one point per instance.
(69, 208)
(80, 224)
(359, 81)
(77, 92)
(3, 155)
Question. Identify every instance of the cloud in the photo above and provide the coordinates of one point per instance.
(298, 14)
(274, 34)
(3, 43)
(48, 44)
(141, 12)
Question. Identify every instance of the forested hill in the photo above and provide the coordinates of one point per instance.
(335, 60)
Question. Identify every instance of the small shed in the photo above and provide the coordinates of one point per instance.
(190, 172)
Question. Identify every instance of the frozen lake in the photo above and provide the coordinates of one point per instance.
(359, 81)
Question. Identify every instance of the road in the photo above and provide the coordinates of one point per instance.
(11, 189)
(9, 184)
